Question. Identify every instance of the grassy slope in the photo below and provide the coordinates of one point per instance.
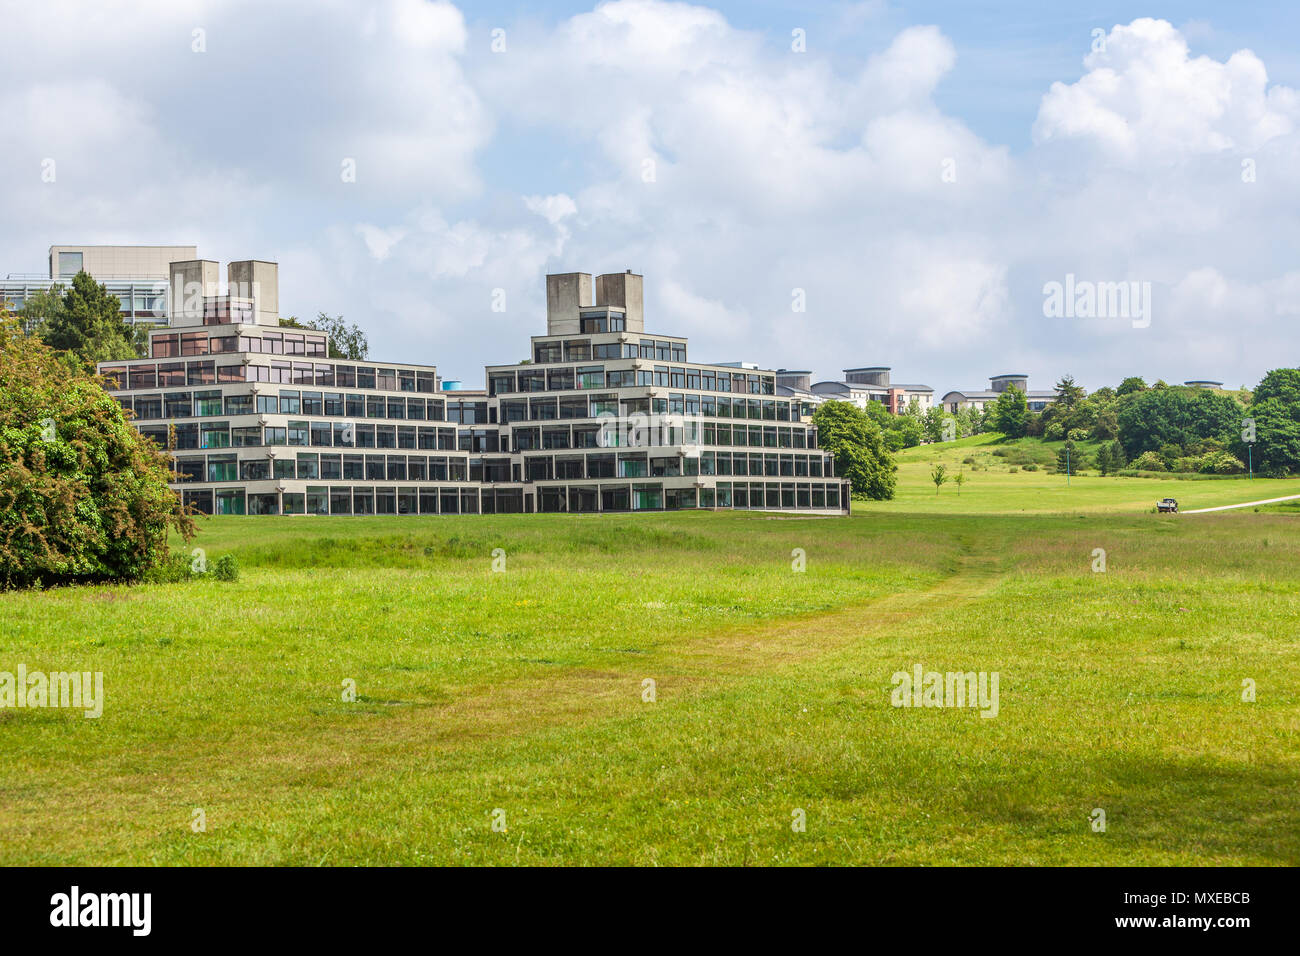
(522, 691)
(994, 488)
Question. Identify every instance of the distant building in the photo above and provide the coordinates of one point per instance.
(872, 384)
(978, 399)
(796, 384)
(138, 275)
(1203, 383)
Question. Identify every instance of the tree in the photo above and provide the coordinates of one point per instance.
(1104, 461)
(1106, 424)
(83, 496)
(346, 341)
(1130, 385)
(1276, 411)
(90, 325)
(969, 422)
(909, 430)
(1068, 394)
(1010, 412)
(1118, 460)
(848, 433)
(41, 308)
(933, 421)
(959, 479)
(1068, 459)
(938, 474)
(1176, 415)
(1282, 384)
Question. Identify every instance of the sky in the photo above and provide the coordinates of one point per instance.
(812, 186)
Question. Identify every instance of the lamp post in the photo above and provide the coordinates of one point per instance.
(1248, 436)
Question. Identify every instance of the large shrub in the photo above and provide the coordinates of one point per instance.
(83, 496)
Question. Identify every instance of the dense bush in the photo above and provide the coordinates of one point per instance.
(1220, 463)
(226, 568)
(83, 497)
(1149, 461)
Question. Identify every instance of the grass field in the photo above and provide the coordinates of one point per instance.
(522, 690)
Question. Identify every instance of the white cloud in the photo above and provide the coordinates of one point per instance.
(1145, 97)
(919, 243)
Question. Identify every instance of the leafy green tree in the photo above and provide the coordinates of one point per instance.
(969, 422)
(909, 430)
(1130, 385)
(90, 325)
(1276, 411)
(40, 309)
(1009, 413)
(346, 341)
(856, 441)
(83, 496)
(939, 475)
(959, 479)
(934, 419)
(1106, 424)
(1282, 384)
(1176, 415)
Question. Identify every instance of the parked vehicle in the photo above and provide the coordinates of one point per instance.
(1167, 505)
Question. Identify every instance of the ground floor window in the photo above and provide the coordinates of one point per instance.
(264, 504)
(647, 497)
(230, 502)
(318, 501)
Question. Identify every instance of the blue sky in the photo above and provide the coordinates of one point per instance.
(921, 171)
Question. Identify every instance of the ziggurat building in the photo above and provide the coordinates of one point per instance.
(605, 417)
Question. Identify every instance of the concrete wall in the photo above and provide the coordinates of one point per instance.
(255, 279)
(125, 261)
(190, 281)
(623, 290)
(566, 293)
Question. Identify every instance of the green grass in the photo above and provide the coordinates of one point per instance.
(522, 690)
(992, 488)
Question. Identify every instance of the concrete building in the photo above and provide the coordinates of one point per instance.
(872, 384)
(604, 417)
(138, 275)
(609, 417)
(978, 399)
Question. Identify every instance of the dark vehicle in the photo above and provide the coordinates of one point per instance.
(1169, 505)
